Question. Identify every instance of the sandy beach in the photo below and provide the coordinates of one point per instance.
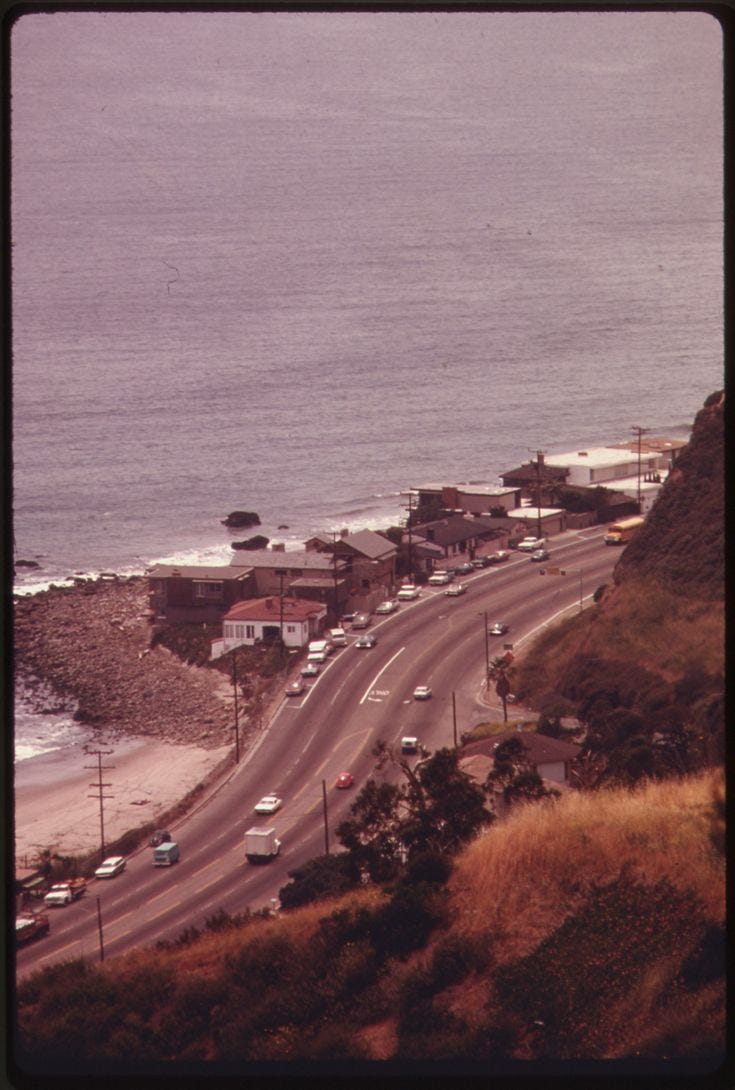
(53, 807)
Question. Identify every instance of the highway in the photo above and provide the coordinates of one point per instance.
(361, 696)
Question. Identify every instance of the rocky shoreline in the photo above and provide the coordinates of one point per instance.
(91, 643)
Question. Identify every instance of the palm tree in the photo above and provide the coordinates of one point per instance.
(500, 671)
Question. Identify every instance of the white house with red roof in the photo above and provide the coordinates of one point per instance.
(265, 620)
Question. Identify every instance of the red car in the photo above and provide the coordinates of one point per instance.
(345, 779)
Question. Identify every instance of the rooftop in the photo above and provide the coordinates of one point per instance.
(594, 456)
(296, 558)
(274, 608)
(180, 571)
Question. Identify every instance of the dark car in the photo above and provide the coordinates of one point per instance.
(368, 640)
(463, 569)
(540, 554)
(498, 629)
(161, 836)
(481, 562)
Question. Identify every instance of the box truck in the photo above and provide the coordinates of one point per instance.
(261, 844)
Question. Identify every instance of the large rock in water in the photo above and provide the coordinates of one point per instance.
(238, 519)
(257, 542)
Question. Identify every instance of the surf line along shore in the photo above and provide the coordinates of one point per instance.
(168, 725)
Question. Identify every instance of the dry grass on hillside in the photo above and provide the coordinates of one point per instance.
(638, 623)
(521, 879)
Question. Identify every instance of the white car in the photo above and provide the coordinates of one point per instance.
(531, 544)
(387, 607)
(111, 867)
(407, 593)
(269, 804)
(421, 692)
(455, 590)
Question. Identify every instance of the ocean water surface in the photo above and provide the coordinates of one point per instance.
(298, 262)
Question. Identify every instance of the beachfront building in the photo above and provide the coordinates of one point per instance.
(368, 559)
(473, 498)
(268, 620)
(179, 594)
(616, 468)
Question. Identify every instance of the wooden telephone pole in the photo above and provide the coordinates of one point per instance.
(99, 754)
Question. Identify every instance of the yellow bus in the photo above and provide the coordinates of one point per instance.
(618, 533)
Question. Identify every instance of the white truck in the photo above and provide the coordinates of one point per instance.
(338, 637)
(166, 854)
(531, 544)
(63, 893)
(261, 844)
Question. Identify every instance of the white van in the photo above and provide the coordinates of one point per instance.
(320, 647)
(338, 637)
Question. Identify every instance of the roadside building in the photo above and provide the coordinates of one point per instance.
(459, 537)
(472, 498)
(552, 758)
(181, 594)
(368, 560)
(266, 620)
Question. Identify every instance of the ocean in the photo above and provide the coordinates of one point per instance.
(295, 263)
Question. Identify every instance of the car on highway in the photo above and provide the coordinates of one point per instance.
(540, 554)
(409, 744)
(268, 804)
(498, 629)
(368, 640)
(295, 688)
(389, 606)
(455, 590)
(345, 779)
(530, 544)
(311, 669)
(161, 836)
(110, 867)
(421, 692)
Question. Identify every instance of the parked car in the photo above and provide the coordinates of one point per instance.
(481, 562)
(455, 590)
(361, 620)
(530, 544)
(498, 629)
(161, 836)
(345, 779)
(295, 688)
(311, 669)
(347, 618)
(540, 554)
(440, 578)
(110, 867)
(421, 692)
(408, 592)
(499, 556)
(268, 804)
(464, 569)
(389, 606)
(368, 640)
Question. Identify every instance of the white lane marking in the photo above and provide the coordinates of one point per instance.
(372, 684)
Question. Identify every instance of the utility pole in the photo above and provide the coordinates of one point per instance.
(640, 432)
(234, 690)
(487, 656)
(280, 599)
(99, 753)
(539, 461)
(454, 718)
(99, 928)
(326, 824)
(334, 576)
(410, 538)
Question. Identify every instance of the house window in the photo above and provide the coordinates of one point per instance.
(249, 631)
(296, 572)
(290, 627)
(211, 592)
